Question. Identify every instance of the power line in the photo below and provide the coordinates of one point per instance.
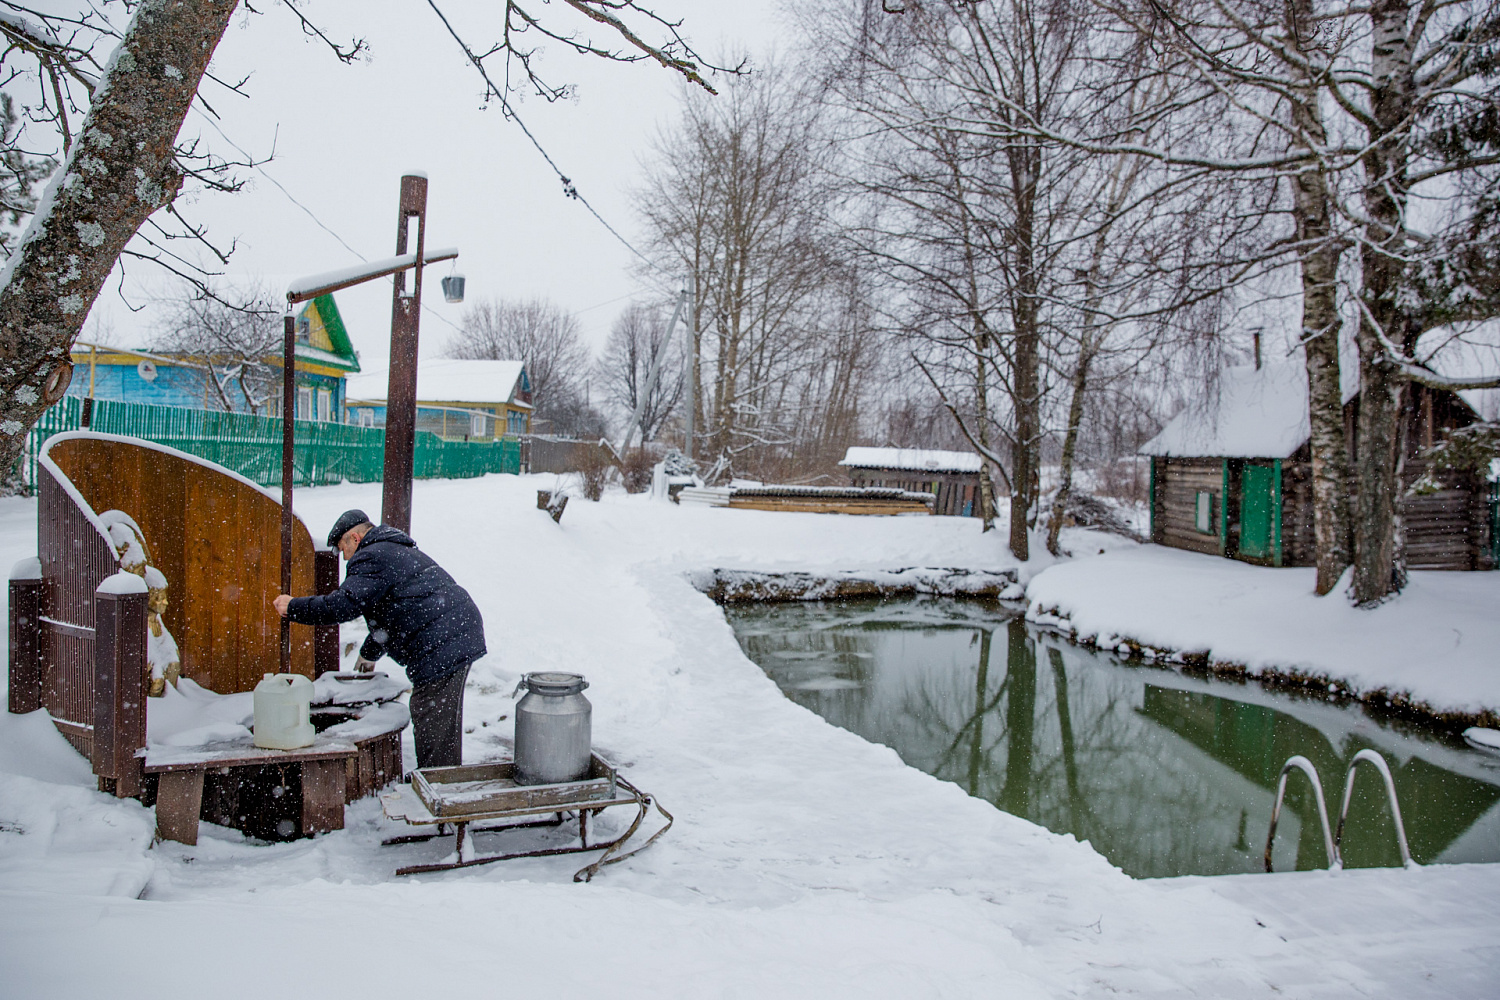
(264, 173)
(569, 188)
(313, 216)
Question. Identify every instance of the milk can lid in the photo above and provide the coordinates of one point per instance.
(554, 683)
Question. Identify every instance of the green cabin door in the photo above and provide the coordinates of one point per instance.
(1257, 504)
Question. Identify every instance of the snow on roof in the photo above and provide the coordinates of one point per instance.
(445, 380)
(916, 459)
(1467, 353)
(1255, 414)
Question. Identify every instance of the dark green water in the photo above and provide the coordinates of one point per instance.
(1164, 774)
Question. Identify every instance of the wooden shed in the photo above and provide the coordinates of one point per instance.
(1231, 475)
(952, 477)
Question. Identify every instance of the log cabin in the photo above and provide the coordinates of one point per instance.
(1231, 475)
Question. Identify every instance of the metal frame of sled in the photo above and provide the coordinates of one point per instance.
(421, 803)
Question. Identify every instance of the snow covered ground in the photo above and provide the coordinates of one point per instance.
(804, 861)
(1439, 640)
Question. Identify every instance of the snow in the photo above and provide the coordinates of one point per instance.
(355, 273)
(1255, 413)
(1436, 640)
(804, 861)
(1466, 354)
(444, 380)
(122, 583)
(27, 568)
(1489, 739)
(917, 459)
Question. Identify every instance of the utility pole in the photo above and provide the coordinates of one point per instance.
(401, 392)
(692, 366)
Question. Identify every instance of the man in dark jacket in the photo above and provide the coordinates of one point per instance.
(417, 613)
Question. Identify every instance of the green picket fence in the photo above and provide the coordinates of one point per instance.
(324, 453)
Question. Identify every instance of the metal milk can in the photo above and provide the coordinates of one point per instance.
(554, 729)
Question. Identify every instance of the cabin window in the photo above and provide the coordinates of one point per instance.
(476, 425)
(304, 404)
(1203, 512)
(325, 405)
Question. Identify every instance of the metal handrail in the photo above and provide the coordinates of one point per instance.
(1301, 763)
(1378, 762)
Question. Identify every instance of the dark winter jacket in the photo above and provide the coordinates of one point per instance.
(415, 610)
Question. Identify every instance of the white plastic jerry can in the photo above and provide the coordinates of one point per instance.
(283, 712)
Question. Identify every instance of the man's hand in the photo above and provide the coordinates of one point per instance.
(281, 603)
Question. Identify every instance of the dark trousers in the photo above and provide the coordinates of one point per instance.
(437, 719)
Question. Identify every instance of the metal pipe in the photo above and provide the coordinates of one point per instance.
(288, 410)
(1378, 762)
(401, 391)
(692, 367)
(1301, 763)
(381, 269)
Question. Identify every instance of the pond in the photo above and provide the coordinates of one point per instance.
(1163, 773)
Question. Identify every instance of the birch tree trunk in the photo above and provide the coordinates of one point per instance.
(122, 167)
(1318, 256)
(1377, 568)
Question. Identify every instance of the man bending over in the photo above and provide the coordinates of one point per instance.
(417, 613)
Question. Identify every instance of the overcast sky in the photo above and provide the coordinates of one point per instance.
(344, 135)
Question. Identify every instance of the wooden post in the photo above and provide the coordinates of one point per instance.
(401, 390)
(26, 636)
(121, 683)
(288, 472)
(325, 637)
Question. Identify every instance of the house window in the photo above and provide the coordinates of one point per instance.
(476, 425)
(1203, 512)
(366, 416)
(325, 405)
(515, 422)
(304, 403)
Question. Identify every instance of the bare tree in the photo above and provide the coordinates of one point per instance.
(132, 90)
(734, 196)
(236, 337)
(638, 337)
(545, 337)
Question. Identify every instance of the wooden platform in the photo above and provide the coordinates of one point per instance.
(811, 499)
(321, 787)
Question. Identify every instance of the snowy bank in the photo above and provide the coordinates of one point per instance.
(805, 861)
(1433, 647)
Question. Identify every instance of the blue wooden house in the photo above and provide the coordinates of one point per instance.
(325, 358)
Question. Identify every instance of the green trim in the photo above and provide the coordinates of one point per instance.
(1276, 513)
(338, 335)
(1224, 509)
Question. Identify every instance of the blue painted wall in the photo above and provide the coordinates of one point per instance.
(175, 386)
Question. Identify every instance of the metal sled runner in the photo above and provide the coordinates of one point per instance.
(461, 796)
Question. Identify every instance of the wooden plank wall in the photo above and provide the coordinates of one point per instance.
(953, 490)
(1446, 529)
(1178, 482)
(75, 559)
(1298, 545)
(217, 541)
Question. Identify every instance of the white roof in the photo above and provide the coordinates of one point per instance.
(1255, 414)
(915, 459)
(1467, 353)
(445, 380)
